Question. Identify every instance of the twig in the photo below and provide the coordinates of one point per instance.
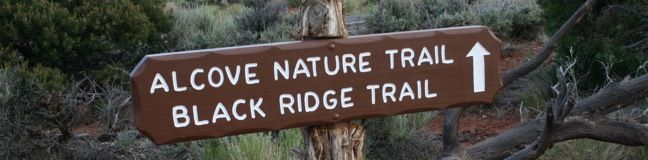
(549, 46)
(556, 111)
(538, 59)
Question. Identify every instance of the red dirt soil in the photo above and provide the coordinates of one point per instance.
(476, 126)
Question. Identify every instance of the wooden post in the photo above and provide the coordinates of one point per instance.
(341, 141)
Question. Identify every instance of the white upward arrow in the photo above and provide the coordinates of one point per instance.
(479, 67)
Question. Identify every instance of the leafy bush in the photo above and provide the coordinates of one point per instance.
(256, 146)
(294, 3)
(40, 80)
(203, 27)
(604, 38)
(202, 2)
(36, 104)
(432, 10)
(212, 26)
(463, 18)
(392, 16)
(9, 56)
(7, 86)
(125, 139)
(277, 33)
(284, 30)
(114, 74)
(261, 16)
(510, 18)
(351, 6)
(82, 35)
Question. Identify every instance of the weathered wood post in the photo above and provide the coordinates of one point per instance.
(341, 141)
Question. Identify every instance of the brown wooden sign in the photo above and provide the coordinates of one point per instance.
(213, 93)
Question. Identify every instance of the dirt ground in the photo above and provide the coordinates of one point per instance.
(476, 126)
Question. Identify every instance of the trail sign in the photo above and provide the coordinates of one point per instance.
(219, 92)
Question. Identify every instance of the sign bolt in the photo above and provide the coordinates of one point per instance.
(331, 46)
(336, 116)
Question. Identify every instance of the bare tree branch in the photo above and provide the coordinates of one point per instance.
(613, 97)
(581, 123)
(521, 71)
(624, 133)
(451, 146)
(556, 111)
(549, 46)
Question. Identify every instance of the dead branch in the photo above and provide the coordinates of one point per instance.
(556, 112)
(549, 46)
(613, 97)
(527, 67)
(581, 122)
(451, 146)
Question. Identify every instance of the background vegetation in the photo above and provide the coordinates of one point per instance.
(608, 44)
(510, 19)
(64, 88)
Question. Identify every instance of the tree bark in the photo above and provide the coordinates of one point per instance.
(323, 19)
(513, 140)
(518, 72)
(579, 124)
(341, 141)
(584, 119)
(451, 145)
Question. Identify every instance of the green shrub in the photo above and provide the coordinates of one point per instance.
(432, 10)
(203, 2)
(82, 35)
(277, 33)
(259, 146)
(254, 146)
(605, 37)
(260, 21)
(351, 6)
(393, 15)
(400, 137)
(88, 149)
(511, 19)
(284, 30)
(125, 139)
(536, 90)
(9, 56)
(8, 85)
(463, 18)
(114, 74)
(39, 80)
(203, 27)
(37, 103)
(261, 16)
(294, 3)
(496, 22)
